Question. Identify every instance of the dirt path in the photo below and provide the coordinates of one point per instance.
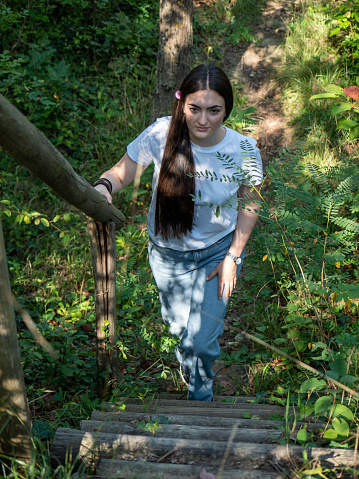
(254, 66)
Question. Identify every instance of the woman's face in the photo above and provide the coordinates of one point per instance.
(205, 111)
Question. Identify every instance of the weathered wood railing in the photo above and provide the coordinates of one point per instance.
(29, 147)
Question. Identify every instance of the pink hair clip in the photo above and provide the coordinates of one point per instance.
(178, 94)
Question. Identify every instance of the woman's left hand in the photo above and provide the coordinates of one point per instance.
(227, 277)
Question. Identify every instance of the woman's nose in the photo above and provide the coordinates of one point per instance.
(203, 118)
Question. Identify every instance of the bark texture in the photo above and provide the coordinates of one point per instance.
(29, 147)
(15, 426)
(103, 252)
(174, 59)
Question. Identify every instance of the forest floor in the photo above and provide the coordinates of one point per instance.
(255, 68)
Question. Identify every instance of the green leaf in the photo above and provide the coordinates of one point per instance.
(305, 411)
(323, 404)
(332, 375)
(335, 89)
(302, 436)
(345, 106)
(339, 366)
(41, 429)
(66, 240)
(342, 411)
(301, 345)
(348, 379)
(45, 222)
(66, 371)
(330, 434)
(341, 426)
(311, 472)
(354, 133)
(347, 124)
(323, 96)
(312, 384)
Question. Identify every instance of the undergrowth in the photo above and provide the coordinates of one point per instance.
(87, 85)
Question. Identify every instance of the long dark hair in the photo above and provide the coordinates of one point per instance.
(176, 184)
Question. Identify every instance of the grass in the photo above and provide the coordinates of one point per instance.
(50, 265)
(308, 66)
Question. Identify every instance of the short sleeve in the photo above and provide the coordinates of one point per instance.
(148, 145)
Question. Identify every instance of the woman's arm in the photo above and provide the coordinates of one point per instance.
(246, 219)
(120, 175)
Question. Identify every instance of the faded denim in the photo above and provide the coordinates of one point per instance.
(191, 308)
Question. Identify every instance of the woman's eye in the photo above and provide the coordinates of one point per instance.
(214, 112)
(193, 110)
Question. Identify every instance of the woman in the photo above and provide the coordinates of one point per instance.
(196, 247)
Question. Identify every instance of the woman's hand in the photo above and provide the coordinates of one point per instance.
(227, 276)
(104, 192)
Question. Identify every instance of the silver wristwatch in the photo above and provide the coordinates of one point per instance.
(236, 259)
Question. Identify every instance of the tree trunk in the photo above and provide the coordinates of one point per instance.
(27, 145)
(103, 252)
(174, 59)
(15, 425)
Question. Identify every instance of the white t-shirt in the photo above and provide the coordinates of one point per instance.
(210, 193)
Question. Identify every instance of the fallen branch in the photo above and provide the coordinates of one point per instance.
(31, 326)
(301, 364)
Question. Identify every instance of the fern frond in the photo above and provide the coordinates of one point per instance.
(319, 177)
(346, 224)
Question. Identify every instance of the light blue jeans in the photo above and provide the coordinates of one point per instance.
(191, 308)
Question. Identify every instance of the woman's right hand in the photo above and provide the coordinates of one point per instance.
(104, 192)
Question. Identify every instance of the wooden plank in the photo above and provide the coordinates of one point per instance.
(262, 411)
(116, 469)
(92, 446)
(186, 432)
(213, 422)
(183, 397)
(227, 402)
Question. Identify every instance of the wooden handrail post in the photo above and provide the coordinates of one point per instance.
(15, 425)
(103, 252)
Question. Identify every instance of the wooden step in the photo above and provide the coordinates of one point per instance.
(186, 432)
(175, 438)
(213, 422)
(90, 447)
(211, 410)
(116, 469)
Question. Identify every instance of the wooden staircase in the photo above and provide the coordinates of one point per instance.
(169, 437)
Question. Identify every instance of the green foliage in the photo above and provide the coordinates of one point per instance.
(344, 22)
(335, 92)
(213, 33)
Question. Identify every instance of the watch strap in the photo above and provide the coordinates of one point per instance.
(236, 259)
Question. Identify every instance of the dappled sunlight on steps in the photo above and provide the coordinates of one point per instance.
(169, 437)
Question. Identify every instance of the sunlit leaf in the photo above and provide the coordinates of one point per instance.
(312, 384)
(302, 436)
(330, 434)
(341, 426)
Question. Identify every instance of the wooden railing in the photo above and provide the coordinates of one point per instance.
(29, 147)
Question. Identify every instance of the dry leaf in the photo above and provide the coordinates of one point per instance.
(352, 92)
